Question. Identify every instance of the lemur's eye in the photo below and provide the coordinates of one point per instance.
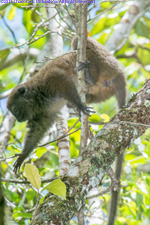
(21, 90)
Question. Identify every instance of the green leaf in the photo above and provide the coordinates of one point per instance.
(141, 28)
(139, 159)
(12, 13)
(3, 55)
(34, 16)
(27, 21)
(18, 5)
(31, 195)
(3, 6)
(40, 151)
(94, 118)
(139, 198)
(99, 27)
(57, 187)
(23, 215)
(144, 56)
(33, 175)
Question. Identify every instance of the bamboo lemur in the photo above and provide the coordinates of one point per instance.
(39, 100)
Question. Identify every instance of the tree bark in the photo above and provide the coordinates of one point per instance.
(81, 57)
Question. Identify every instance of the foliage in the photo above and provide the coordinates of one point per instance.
(134, 207)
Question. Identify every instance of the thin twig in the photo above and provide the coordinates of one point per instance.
(48, 59)
(91, 19)
(62, 18)
(72, 19)
(100, 193)
(40, 25)
(25, 66)
(57, 139)
(48, 32)
(135, 124)
(40, 14)
(14, 37)
(15, 181)
(36, 209)
(119, 122)
(5, 94)
(35, 31)
(37, 6)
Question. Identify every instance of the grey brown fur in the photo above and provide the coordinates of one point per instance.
(39, 100)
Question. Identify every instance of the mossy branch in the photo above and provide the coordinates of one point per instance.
(97, 158)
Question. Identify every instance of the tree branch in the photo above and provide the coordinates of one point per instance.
(97, 158)
(81, 57)
(119, 38)
(14, 57)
